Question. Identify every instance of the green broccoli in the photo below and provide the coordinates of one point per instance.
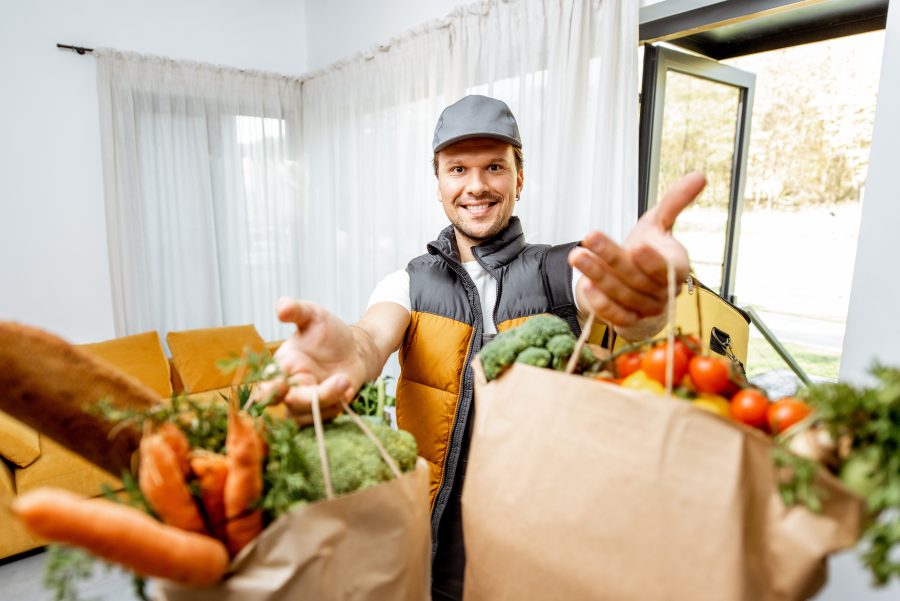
(561, 347)
(535, 333)
(293, 471)
(500, 353)
(539, 357)
(353, 460)
(538, 330)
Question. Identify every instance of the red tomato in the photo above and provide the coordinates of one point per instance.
(786, 412)
(653, 363)
(750, 406)
(627, 364)
(709, 374)
(689, 344)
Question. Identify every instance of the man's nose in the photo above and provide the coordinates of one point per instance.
(477, 183)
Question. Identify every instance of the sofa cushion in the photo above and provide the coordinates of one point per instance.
(140, 356)
(7, 483)
(19, 444)
(57, 466)
(196, 352)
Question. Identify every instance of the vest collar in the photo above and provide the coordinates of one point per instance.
(493, 253)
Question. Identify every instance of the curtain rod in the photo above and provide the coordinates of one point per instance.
(78, 49)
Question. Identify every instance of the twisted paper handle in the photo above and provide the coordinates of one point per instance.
(323, 454)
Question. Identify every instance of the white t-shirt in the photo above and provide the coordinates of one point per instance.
(394, 288)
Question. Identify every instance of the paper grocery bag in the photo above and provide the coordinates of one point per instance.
(577, 489)
(372, 545)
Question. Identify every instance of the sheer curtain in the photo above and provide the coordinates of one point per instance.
(202, 177)
(568, 70)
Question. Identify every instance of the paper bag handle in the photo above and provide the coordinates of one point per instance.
(323, 454)
(670, 346)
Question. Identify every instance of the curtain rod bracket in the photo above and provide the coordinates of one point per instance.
(79, 49)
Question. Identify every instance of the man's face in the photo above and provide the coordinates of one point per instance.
(478, 184)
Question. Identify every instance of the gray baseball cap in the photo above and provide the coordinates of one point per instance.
(476, 117)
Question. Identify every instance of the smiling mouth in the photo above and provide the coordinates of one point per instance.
(478, 209)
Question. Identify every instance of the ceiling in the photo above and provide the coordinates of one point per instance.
(737, 27)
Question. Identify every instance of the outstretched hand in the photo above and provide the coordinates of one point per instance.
(317, 360)
(628, 283)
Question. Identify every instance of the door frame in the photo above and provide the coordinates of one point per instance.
(658, 61)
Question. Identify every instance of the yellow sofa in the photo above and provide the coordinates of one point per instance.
(29, 460)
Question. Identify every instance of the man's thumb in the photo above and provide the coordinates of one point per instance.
(291, 310)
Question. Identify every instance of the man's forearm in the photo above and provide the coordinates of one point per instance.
(377, 335)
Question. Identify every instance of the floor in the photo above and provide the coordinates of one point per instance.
(21, 580)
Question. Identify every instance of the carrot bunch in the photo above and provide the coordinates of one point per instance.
(206, 504)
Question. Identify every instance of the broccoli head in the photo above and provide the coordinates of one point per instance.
(539, 357)
(538, 330)
(500, 353)
(354, 462)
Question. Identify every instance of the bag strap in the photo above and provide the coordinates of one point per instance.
(320, 442)
(557, 275)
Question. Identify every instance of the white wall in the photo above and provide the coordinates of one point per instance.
(338, 29)
(873, 321)
(54, 267)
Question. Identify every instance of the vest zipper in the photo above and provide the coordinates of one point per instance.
(451, 462)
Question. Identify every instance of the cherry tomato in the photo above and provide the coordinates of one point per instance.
(713, 403)
(639, 381)
(786, 412)
(689, 344)
(627, 364)
(654, 364)
(709, 374)
(750, 406)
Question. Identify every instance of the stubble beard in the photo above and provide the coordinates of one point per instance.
(460, 226)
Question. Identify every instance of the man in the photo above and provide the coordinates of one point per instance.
(477, 276)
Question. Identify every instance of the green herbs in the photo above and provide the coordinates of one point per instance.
(865, 422)
(372, 398)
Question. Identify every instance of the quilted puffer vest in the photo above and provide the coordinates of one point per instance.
(434, 393)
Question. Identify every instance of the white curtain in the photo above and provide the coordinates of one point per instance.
(203, 192)
(222, 196)
(567, 69)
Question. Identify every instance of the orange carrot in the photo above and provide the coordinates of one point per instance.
(243, 486)
(162, 482)
(176, 439)
(123, 535)
(211, 470)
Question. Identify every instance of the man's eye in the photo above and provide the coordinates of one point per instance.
(495, 167)
(456, 169)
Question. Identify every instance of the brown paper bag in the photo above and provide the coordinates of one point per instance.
(577, 489)
(374, 544)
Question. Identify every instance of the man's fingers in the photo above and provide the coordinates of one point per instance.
(607, 309)
(291, 310)
(677, 198)
(270, 391)
(330, 392)
(653, 263)
(328, 414)
(614, 256)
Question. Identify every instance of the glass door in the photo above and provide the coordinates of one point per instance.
(695, 116)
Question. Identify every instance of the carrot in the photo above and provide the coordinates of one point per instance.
(123, 535)
(176, 439)
(211, 470)
(243, 486)
(162, 481)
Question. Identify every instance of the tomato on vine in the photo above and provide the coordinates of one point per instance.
(751, 406)
(709, 374)
(654, 361)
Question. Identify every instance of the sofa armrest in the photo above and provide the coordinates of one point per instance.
(19, 444)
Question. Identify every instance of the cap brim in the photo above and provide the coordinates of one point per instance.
(493, 136)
